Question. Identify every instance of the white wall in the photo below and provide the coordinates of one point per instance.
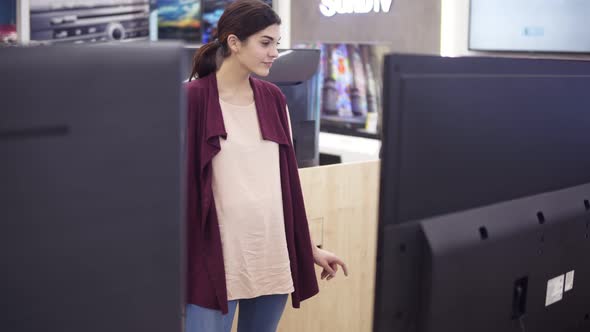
(283, 8)
(454, 27)
(23, 27)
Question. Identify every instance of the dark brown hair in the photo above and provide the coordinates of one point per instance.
(242, 18)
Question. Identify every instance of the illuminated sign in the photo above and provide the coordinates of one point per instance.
(332, 7)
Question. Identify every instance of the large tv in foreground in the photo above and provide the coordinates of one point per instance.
(92, 185)
(485, 189)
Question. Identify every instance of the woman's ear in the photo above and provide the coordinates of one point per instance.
(233, 42)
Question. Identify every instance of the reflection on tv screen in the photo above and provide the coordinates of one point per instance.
(8, 12)
(7, 21)
(350, 85)
(212, 10)
(179, 19)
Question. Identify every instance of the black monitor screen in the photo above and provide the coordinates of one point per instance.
(467, 133)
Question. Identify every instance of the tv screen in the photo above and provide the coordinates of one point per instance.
(484, 195)
(7, 21)
(8, 12)
(529, 25)
(180, 19)
(350, 87)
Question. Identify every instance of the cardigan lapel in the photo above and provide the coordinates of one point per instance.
(214, 126)
(268, 109)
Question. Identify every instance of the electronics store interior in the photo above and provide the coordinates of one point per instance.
(401, 165)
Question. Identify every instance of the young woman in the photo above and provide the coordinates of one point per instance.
(248, 239)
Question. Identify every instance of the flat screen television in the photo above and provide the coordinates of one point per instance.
(484, 202)
(529, 25)
(350, 87)
(180, 19)
(92, 196)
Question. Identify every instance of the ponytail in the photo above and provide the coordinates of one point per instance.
(205, 60)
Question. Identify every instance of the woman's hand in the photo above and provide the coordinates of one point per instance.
(329, 262)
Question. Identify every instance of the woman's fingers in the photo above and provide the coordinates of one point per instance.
(338, 261)
(328, 268)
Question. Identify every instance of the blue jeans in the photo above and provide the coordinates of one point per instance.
(260, 314)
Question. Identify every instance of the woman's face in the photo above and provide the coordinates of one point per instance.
(258, 52)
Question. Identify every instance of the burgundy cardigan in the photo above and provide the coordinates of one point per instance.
(206, 274)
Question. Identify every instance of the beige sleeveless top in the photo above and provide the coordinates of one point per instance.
(248, 200)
